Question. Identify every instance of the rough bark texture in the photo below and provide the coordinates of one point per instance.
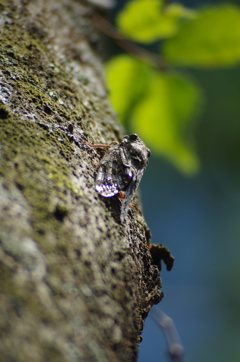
(75, 284)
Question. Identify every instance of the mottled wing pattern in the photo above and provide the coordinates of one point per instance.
(106, 184)
(112, 175)
(121, 170)
(130, 192)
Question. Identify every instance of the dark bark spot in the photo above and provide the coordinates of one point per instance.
(60, 212)
(47, 109)
(4, 114)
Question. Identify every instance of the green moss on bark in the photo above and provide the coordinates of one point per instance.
(76, 284)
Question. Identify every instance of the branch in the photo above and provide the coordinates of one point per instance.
(175, 348)
(148, 57)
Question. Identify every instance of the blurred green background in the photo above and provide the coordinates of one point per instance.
(198, 217)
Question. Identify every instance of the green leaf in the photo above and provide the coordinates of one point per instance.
(162, 118)
(210, 40)
(126, 78)
(148, 20)
(161, 107)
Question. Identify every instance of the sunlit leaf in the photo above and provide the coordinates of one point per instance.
(149, 20)
(178, 11)
(211, 40)
(163, 117)
(126, 78)
(161, 107)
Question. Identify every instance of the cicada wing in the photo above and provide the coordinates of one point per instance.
(106, 184)
(129, 194)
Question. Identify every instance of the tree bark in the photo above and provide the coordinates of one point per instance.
(76, 284)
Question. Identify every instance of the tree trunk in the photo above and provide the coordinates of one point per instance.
(76, 284)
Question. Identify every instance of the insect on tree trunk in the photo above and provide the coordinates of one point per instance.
(76, 284)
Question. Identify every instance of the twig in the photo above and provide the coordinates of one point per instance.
(107, 28)
(100, 146)
(175, 348)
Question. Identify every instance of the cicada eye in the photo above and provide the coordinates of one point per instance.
(133, 137)
(148, 153)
